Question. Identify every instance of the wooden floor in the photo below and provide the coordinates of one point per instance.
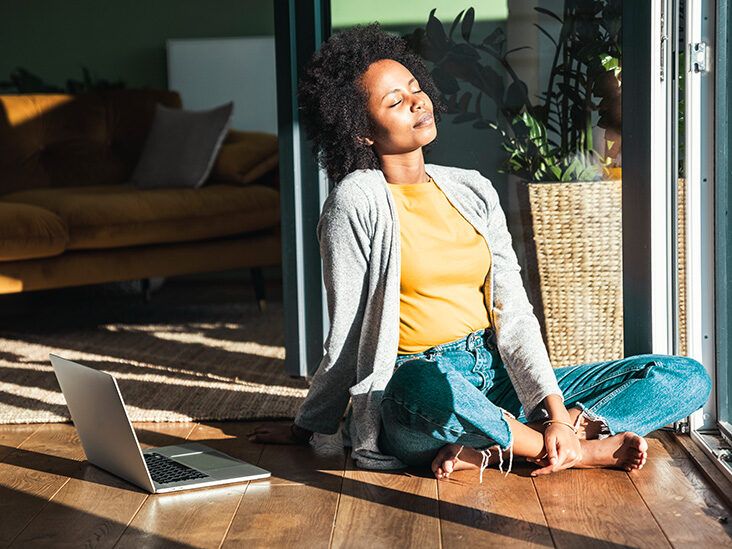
(316, 497)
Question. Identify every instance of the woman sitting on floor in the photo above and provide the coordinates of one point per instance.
(432, 337)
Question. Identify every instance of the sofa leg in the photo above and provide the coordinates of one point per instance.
(146, 289)
(259, 291)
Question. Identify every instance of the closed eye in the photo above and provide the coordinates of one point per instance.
(395, 104)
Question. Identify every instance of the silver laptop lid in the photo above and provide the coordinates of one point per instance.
(99, 414)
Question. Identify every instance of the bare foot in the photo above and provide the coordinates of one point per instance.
(452, 458)
(625, 450)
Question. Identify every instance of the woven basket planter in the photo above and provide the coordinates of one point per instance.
(574, 258)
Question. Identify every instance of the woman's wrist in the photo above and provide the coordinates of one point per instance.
(549, 422)
(554, 405)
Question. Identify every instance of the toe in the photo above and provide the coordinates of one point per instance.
(445, 453)
(437, 462)
(642, 444)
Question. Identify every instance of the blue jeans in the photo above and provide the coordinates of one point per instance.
(457, 393)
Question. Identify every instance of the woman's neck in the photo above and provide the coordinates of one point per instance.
(404, 169)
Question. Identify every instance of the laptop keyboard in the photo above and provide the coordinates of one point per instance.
(164, 470)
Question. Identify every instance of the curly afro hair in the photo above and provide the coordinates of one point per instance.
(333, 103)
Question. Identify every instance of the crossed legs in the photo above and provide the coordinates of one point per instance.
(624, 450)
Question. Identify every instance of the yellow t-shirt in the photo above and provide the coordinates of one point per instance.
(445, 263)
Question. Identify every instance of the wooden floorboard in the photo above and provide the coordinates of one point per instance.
(296, 505)
(682, 501)
(596, 508)
(387, 509)
(503, 511)
(12, 436)
(316, 497)
(33, 473)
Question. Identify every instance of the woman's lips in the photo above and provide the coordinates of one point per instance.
(425, 120)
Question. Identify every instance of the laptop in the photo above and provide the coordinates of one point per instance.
(110, 442)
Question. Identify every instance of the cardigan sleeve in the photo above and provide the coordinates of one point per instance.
(518, 335)
(344, 249)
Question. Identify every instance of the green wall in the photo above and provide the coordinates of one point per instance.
(346, 13)
(116, 40)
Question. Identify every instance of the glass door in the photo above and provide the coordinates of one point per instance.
(699, 177)
(723, 227)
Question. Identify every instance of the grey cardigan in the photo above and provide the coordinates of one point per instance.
(359, 238)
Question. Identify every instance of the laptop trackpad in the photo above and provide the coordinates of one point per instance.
(206, 461)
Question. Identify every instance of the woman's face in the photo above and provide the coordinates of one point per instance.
(397, 108)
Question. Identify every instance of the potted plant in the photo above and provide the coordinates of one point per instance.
(569, 191)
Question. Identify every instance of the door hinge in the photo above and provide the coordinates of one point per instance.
(681, 426)
(698, 57)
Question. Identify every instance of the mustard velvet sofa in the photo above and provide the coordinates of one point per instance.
(68, 217)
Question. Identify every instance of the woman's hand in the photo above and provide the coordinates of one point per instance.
(563, 450)
(279, 433)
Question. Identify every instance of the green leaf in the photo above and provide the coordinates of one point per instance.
(445, 81)
(549, 13)
(467, 25)
(464, 101)
(517, 49)
(516, 96)
(464, 51)
(436, 34)
(455, 23)
(549, 36)
(573, 166)
(495, 39)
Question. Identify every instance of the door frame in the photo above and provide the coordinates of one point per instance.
(300, 27)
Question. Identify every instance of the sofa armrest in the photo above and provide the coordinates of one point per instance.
(246, 157)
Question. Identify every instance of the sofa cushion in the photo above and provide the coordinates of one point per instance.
(246, 156)
(181, 147)
(108, 216)
(28, 232)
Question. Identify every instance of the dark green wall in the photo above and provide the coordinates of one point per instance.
(117, 40)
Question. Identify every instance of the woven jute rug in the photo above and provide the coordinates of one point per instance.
(175, 359)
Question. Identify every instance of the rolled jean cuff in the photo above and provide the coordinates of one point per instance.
(604, 430)
(486, 456)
